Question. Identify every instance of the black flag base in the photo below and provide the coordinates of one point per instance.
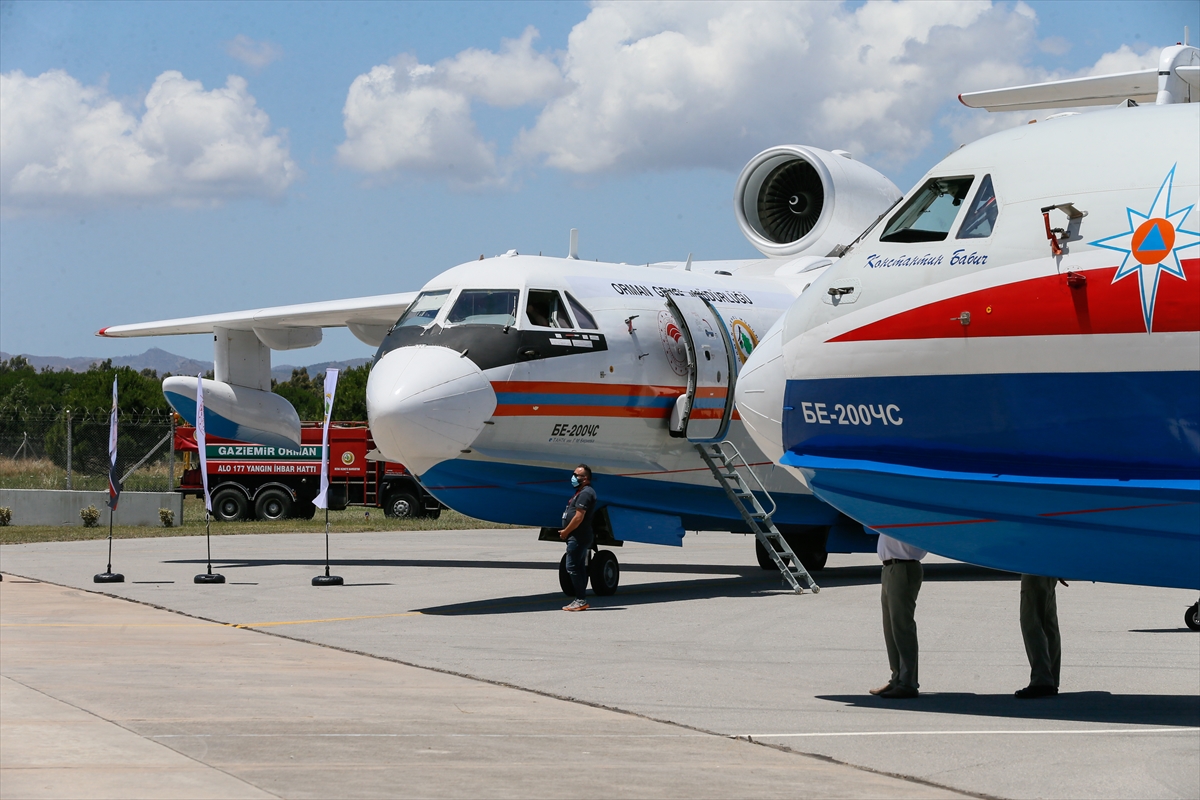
(327, 579)
(109, 577)
(209, 577)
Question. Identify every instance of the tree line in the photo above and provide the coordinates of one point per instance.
(24, 389)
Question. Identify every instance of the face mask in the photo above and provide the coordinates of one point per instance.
(575, 481)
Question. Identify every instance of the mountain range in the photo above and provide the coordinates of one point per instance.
(163, 362)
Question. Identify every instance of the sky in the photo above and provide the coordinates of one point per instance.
(160, 160)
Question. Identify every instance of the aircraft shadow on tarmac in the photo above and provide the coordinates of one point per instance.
(737, 581)
(1104, 707)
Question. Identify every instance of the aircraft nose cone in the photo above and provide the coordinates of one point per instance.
(759, 394)
(426, 404)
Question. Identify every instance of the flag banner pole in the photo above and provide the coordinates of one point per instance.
(202, 449)
(114, 491)
(322, 499)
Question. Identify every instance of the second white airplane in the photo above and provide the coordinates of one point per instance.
(502, 374)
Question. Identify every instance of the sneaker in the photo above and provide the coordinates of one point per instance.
(577, 605)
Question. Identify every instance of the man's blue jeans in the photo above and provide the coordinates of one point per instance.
(577, 562)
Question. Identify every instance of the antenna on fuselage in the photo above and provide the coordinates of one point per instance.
(574, 251)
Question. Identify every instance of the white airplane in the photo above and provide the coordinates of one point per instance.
(1006, 370)
(501, 375)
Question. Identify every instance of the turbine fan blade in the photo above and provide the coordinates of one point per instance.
(790, 201)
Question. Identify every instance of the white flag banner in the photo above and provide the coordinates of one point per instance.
(331, 379)
(114, 483)
(200, 446)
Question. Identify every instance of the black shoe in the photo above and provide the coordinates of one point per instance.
(1032, 692)
(899, 693)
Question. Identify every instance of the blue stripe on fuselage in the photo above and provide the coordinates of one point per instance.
(1122, 425)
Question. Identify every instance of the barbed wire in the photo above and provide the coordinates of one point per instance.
(83, 416)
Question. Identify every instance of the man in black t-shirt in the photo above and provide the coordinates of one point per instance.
(577, 532)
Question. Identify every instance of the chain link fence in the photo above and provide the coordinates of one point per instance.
(55, 449)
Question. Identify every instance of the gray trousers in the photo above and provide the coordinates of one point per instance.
(900, 585)
(1039, 628)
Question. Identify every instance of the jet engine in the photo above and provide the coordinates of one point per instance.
(792, 200)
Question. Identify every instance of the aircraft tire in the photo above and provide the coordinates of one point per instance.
(764, 558)
(564, 577)
(401, 505)
(1192, 617)
(814, 560)
(229, 505)
(272, 505)
(605, 572)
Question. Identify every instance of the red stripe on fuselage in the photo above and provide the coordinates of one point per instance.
(1048, 306)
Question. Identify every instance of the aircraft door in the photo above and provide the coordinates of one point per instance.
(706, 411)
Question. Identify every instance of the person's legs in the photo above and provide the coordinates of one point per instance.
(886, 580)
(903, 588)
(1039, 629)
(577, 566)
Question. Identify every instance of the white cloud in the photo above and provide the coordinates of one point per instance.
(252, 53)
(408, 116)
(61, 140)
(671, 85)
(666, 85)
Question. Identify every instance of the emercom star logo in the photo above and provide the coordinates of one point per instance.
(1151, 245)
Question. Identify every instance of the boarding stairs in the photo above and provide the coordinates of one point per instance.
(724, 460)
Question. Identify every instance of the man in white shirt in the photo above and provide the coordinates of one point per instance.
(900, 581)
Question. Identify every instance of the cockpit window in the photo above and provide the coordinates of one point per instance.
(981, 216)
(927, 217)
(485, 307)
(545, 309)
(424, 309)
(582, 315)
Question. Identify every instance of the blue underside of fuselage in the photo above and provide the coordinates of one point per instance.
(1138, 532)
(1092, 476)
(518, 494)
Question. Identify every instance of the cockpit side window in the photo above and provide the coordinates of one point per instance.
(546, 310)
(929, 215)
(582, 315)
(981, 216)
(484, 307)
(424, 309)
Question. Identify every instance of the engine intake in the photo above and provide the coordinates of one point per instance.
(792, 200)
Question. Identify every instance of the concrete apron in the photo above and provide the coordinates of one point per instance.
(101, 697)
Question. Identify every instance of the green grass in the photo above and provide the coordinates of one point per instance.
(353, 520)
(42, 473)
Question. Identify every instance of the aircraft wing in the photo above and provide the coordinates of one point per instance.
(368, 318)
(1140, 86)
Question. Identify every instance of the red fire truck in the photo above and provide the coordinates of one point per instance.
(254, 481)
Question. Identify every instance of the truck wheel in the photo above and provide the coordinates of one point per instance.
(605, 573)
(229, 505)
(304, 510)
(402, 505)
(272, 505)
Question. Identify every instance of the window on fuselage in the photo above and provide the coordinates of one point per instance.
(981, 216)
(582, 315)
(545, 309)
(929, 215)
(484, 307)
(424, 309)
